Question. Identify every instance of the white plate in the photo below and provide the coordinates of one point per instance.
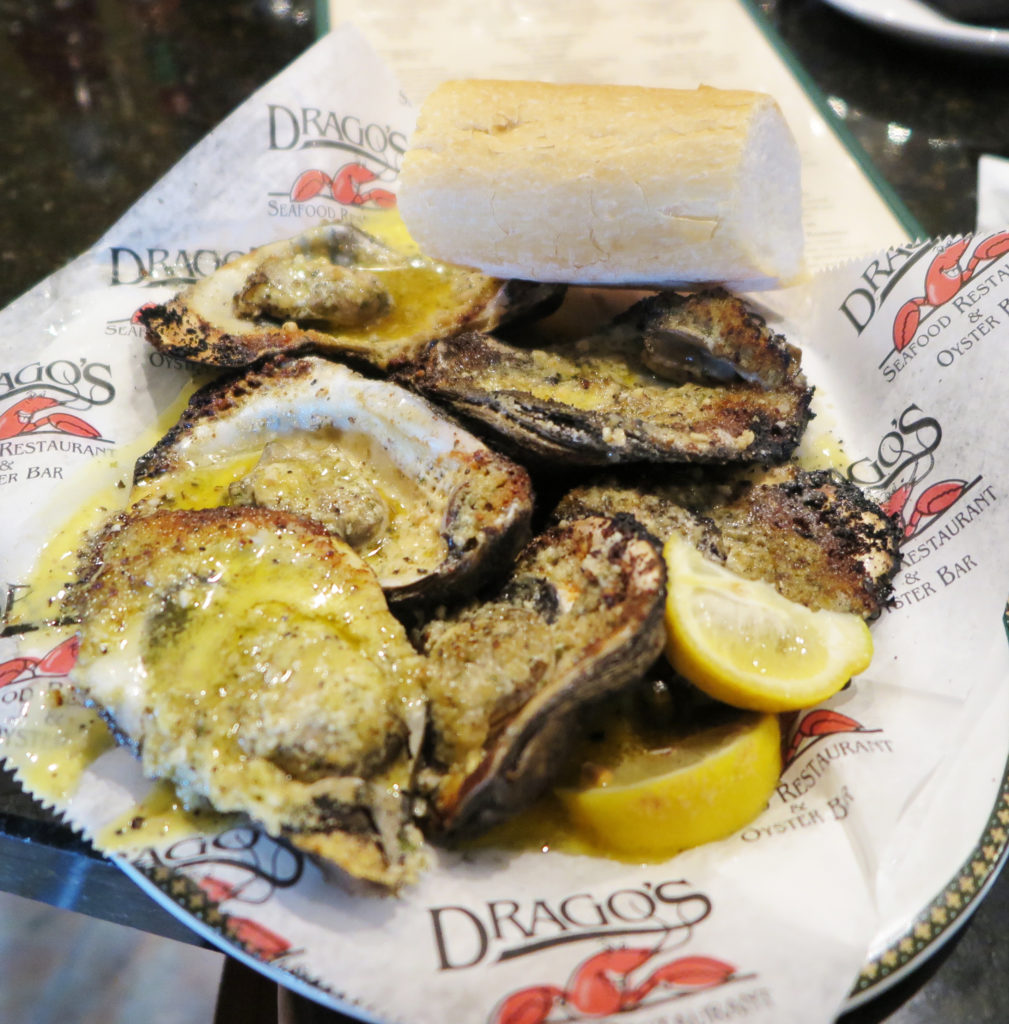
(252, 896)
(921, 23)
(949, 880)
(898, 950)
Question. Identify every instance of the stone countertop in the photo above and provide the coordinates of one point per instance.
(923, 115)
(99, 99)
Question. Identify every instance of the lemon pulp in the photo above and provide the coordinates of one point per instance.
(702, 787)
(741, 642)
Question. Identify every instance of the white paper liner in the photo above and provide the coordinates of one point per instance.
(789, 906)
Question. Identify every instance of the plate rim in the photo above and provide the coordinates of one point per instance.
(934, 925)
(946, 913)
(935, 29)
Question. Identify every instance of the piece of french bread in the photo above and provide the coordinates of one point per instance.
(617, 185)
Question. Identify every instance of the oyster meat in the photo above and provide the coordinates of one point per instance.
(811, 534)
(249, 657)
(580, 617)
(675, 378)
(337, 290)
(431, 509)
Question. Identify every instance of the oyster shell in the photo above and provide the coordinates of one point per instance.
(430, 508)
(580, 617)
(675, 378)
(816, 537)
(334, 289)
(249, 657)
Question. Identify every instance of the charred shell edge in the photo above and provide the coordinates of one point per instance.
(466, 566)
(470, 555)
(755, 351)
(852, 518)
(883, 531)
(175, 330)
(528, 753)
(178, 331)
(529, 428)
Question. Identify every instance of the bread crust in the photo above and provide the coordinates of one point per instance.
(593, 184)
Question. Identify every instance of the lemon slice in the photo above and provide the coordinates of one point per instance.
(741, 642)
(705, 786)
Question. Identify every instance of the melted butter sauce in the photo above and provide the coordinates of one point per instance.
(388, 227)
(424, 293)
(192, 487)
(56, 564)
(821, 446)
(159, 819)
(546, 828)
(562, 379)
(318, 461)
(52, 745)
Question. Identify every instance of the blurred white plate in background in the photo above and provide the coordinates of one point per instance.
(917, 21)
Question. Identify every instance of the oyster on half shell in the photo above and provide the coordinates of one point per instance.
(810, 533)
(431, 509)
(249, 657)
(580, 617)
(333, 289)
(675, 378)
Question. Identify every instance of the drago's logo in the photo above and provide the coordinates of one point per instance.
(904, 459)
(41, 393)
(372, 152)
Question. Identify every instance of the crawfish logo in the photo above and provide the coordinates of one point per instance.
(603, 985)
(914, 516)
(345, 186)
(817, 725)
(54, 663)
(21, 418)
(240, 866)
(254, 936)
(945, 277)
(265, 943)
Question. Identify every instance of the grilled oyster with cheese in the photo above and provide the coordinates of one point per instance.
(812, 534)
(580, 617)
(334, 289)
(675, 378)
(249, 657)
(431, 509)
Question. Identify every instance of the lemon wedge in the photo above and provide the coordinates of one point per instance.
(741, 642)
(653, 803)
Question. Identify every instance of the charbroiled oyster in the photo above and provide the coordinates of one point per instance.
(675, 378)
(580, 617)
(337, 290)
(249, 657)
(431, 509)
(814, 535)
